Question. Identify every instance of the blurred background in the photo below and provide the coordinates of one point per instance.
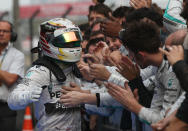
(26, 16)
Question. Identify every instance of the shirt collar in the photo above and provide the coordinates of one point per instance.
(161, 67)
(6, 49)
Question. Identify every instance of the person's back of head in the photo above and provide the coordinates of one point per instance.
(121, 12)
(141, 13)
(142, 35)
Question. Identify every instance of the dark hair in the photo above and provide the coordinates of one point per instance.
(95, 33)
(84, 27)
(156, 8)
(141, 13)
(100, 9)
(184, 13)
(86, 36)
(121, 12)
(142, 35)
(101, 1)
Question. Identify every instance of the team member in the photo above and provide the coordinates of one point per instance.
(11, 68)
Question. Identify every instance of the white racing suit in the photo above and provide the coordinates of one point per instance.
(171, 19)
(51, 115)
(166, 93)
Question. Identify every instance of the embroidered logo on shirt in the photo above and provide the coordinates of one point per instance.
(170, 82)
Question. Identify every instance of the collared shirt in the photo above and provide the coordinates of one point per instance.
(12, 61)
(166, 93)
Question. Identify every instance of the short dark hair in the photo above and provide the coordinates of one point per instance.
(184, 13)
(95, 33)
(149, 13)
(121, 12)
(101, 9)
(142, 35)
(84, 27)
(101, 1)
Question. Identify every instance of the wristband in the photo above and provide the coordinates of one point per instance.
(98, 99)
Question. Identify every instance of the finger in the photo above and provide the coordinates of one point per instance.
(66, 88)
(137, 68)
(119, 68)
(115, 88)
(127, 86)
(93, 66)
(115, 93)
(110, 60)
(180, 47)
(134, 4)
(125, 66)
(64, 101)
(126, 60)
(169, 48)
(72, 84)
(89, 62)
(112, 93)
(64, 91)
(64, 96)
(164, 51)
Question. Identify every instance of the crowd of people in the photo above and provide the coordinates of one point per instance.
(125, 69)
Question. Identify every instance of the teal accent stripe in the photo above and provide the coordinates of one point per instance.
(166, 15)
(173, 19)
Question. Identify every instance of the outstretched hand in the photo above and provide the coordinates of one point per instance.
(98, 71)
(111, 28)
(137, 4)
(124, 96)
(128, 69)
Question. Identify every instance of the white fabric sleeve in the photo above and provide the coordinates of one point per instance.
(177, 104)
(115, 76)
(149, 115)
(100, 90)
(106, 100)
(148, 72)
(171, 19)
